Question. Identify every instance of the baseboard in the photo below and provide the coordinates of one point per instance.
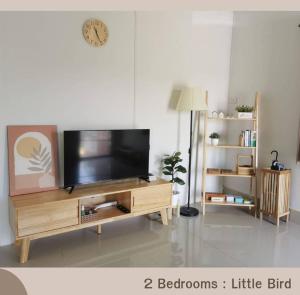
(295, 216)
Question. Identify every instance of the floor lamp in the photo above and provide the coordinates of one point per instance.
(191, 99)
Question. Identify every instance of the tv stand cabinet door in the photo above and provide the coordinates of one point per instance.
(152, 197)
(46, 217)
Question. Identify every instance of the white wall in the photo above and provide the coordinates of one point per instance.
(50, 75)
(174, 49)
(265, 57)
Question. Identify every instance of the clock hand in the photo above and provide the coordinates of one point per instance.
(97, 34)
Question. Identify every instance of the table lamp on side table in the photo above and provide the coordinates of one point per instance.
(191, 99)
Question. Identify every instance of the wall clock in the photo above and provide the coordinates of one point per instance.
(95, 32)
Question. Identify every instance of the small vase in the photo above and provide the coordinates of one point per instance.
(214, 141)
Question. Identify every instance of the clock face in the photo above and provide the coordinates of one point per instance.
(95, 32)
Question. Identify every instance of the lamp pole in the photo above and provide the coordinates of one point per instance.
(188, 210)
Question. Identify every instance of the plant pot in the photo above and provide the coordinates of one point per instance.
(175, 198)
(245, 115)
(214, 141)
(176, 203)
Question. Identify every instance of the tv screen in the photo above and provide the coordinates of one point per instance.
(96, 155)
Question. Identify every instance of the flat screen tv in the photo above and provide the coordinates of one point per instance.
(98, 155)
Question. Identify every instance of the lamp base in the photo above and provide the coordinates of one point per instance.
(189, 211)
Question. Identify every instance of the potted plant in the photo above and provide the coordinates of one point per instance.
(172, 167)
(214, 138)
(245, 111)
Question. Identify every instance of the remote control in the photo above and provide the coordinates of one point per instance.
(122, 208)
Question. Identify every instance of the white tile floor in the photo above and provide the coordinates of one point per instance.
(228, 237)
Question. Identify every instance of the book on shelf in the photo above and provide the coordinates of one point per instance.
(248, 138)
(217, 199)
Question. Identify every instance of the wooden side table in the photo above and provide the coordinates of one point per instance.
(275, 194)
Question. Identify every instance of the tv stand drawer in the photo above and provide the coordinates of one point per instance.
(45, 217)
(151, 197)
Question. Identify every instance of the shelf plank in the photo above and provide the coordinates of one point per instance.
(228, 146)
(104, 213)
(229, 174)
(231, 119)
(210, 203)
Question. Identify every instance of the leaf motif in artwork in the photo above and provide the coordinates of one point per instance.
(35, 169)
(44, 157)
(35, 157)
(48, 167)
(46, 162)
(34, 162)
(43, 151)
(36, 152)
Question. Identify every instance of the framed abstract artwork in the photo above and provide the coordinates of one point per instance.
(32, 159)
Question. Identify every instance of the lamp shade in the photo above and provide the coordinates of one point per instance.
(192, 99)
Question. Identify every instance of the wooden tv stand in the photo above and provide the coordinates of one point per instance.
(44, 214)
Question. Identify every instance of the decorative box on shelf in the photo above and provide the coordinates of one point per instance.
(245, 169)
(215, 197)
(239, 200)
(227, 171)
(230, 199)
(213, 170)
(245, 115)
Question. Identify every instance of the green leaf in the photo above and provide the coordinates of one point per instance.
(177, 154)
(169, 168)
(179, 181)
(180, 168)
(167, 173)
(168, 161)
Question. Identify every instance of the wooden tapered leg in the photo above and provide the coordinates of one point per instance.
(25, 245)
(178, 211)
(99, 229)
(17, 243)
(287, 218)
(164, 216)
(170, 212)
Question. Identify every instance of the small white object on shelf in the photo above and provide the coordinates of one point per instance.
(214, 141)
(245, 115)
(214, 114)
(230, 199)
(221, 115)
(217, 199)
(107, 204)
